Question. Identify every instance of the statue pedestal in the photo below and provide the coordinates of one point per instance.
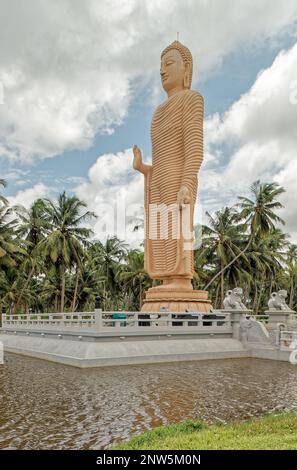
(175, 300)
(237, 316)
(279, 316)
(278, 320)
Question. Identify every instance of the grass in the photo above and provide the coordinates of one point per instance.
(270, 432)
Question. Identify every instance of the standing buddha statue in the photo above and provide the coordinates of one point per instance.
(171, 186)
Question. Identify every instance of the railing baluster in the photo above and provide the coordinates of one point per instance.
(103, 321)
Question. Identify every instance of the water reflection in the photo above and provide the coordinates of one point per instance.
(50, 406)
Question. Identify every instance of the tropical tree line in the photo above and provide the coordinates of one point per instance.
(50, 261)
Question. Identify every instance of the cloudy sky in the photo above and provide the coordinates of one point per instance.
(79, 81)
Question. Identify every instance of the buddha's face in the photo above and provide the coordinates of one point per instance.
(172, 70)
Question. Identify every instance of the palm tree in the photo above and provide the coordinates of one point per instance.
(32, 223)
(48, 263)
(133, 275)
(31, 228)
(107, 258)
(8, 287)
(10, 249)
(222, 241)
(259, 214)
(292, 272)
(264, 262)
(66, 238)
(50, 291)
(89, 286)
(2, 198)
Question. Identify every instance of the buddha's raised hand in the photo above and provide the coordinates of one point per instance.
(137, 162)
(137, 158)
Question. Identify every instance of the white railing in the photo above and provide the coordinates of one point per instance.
(119, 321)
(85, 319)
(288, 340)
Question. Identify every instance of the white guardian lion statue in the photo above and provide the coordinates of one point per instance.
(233, 300)
(278, 302)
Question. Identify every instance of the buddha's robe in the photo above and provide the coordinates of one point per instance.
(177, 153)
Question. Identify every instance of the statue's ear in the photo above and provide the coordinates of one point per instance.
(187, 76)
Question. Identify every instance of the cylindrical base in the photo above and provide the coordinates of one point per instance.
(176, 300)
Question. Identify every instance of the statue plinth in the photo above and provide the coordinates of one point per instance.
(278, 310)
(176, 300)
(279, 316)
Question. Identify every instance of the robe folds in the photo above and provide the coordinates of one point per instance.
(177, 154)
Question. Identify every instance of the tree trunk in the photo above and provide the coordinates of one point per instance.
(260, 297)
(140, 296)
(222, 286)
(271, 286)
(73, 305)
(24, 288)
(291, 303)
(255, 297)
(246, 292)
(217, 296)
(62, 289)
(230, 264)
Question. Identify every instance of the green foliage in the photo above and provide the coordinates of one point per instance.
(49, 261)
(244, 245)
(274, 432)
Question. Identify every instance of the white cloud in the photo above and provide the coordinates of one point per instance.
(68, 67)
(259, 137)
(114, 191)
(15, 174)
(27, 196)
(287, 179)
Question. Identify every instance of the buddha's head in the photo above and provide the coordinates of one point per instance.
(176, 67)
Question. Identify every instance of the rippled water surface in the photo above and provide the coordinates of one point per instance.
(50, 406)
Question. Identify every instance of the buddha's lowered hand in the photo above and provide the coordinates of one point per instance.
(183, 196)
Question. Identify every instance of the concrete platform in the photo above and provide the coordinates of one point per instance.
(86, 354)
(271, 353)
